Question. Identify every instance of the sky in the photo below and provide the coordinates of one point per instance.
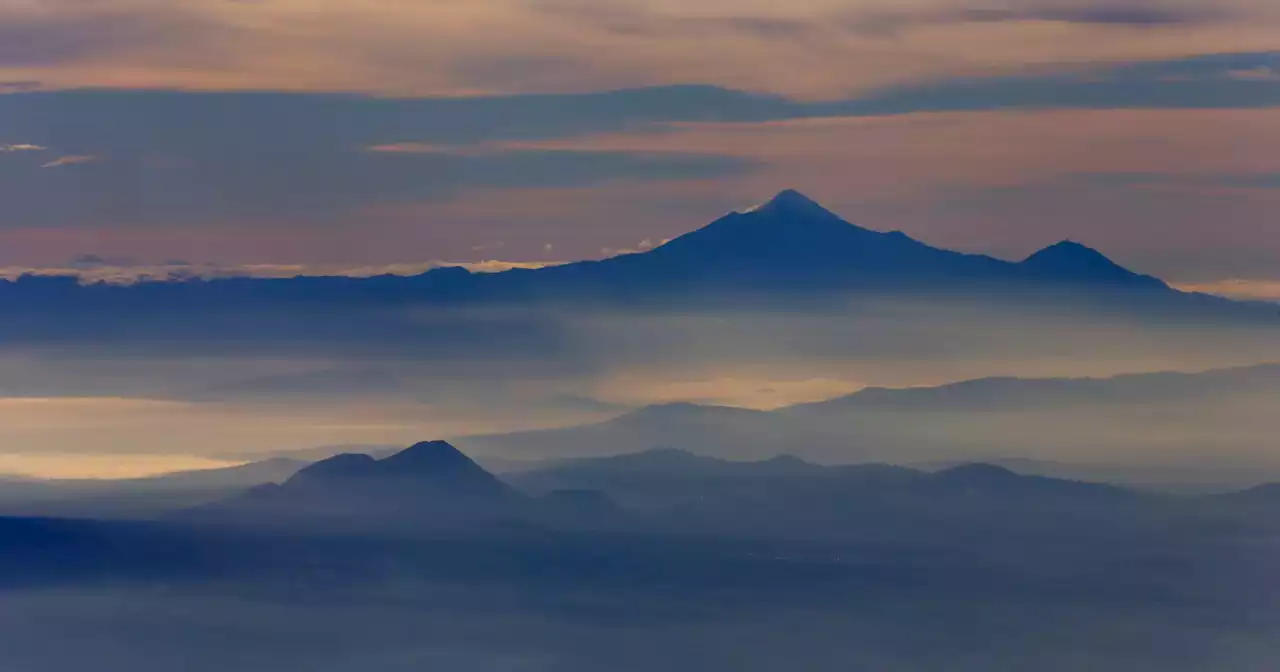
(276, 137)
(338, 135)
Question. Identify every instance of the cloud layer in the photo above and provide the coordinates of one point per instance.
(974, 163)
(441, 46)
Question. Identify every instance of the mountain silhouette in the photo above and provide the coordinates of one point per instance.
(793, 234)
(430, 483)
(793, 244)
(937, 425)
(805, 495)
(1071, 262)
(790, 247)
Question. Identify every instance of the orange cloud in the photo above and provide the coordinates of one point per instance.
(1255, 290)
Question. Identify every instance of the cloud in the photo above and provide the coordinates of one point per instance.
(1239, 180)
(244, 179)
(449, 48)
(91, 268)
(14, 85)
(89, 260)
(355, 172)
(1257, 290)
(69, 160)
(1139, 15)
(22, 147)
(179, 156)
(62, 32)
(634, 20)
(1206, 81)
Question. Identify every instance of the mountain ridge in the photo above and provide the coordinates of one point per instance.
(1060, 417)
(429, 483)
(787, 245)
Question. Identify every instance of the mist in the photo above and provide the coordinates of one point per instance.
(394, 376)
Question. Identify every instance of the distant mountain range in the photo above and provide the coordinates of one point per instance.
(1204, 432)
(1153, 428)
(786, 246)
(666, 478)
(434, 486)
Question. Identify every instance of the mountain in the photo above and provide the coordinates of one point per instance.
(1071, 262)
(792, 244)
(664, 477)
(786, 246)
(679, 476)
(789, 254)
(1100, 428)
(997, 393)
(786, 496)
(428, 484)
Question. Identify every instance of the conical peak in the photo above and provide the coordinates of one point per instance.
(429, 452)
(1067, 249)
(789, 197)
(792, 203)
(1072, 261)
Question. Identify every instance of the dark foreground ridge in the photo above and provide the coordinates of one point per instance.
(775, 561)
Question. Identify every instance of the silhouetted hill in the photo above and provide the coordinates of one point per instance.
(429, 484)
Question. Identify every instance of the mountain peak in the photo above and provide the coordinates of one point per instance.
(430, 456)
(430, 483)
(791, 203)
(343, 466)
(1073, 261)
(1068, 250)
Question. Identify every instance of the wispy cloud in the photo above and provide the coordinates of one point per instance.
(69, 160)
(22, 147)
(1235, 180)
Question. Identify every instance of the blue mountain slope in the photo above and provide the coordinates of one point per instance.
(1071, 262)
